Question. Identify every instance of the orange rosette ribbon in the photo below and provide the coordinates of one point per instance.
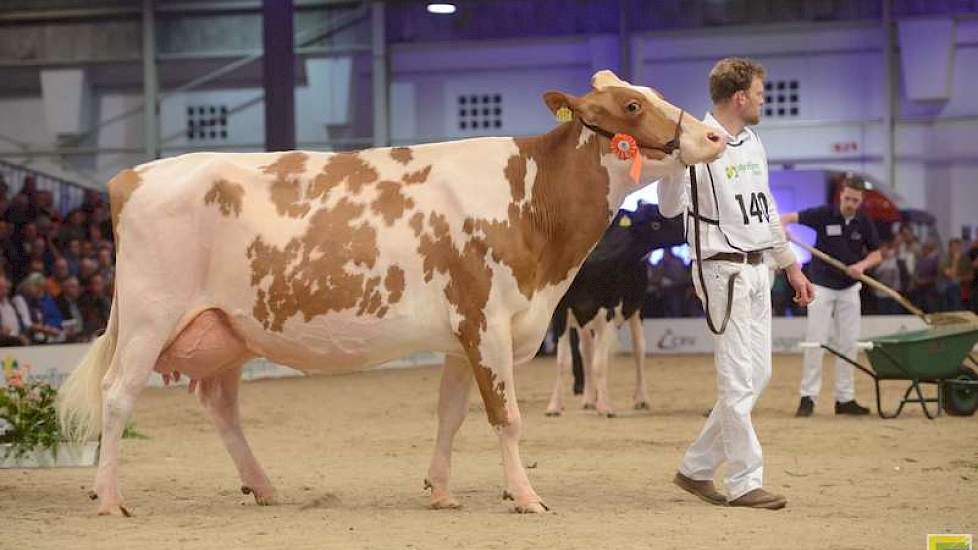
(625, 147)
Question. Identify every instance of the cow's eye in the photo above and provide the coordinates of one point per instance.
(633, 107)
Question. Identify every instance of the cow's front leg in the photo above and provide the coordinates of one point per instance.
(590, 395)
(492, 362)
(564, 360)
(453, 402)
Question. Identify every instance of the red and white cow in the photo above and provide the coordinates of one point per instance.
(339, 260)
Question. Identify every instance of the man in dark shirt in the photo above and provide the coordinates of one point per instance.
(848, 235)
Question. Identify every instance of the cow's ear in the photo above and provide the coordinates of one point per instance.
(556, 100)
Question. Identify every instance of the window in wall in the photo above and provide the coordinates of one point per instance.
(207, 122)
(782, 99)
(480, 112)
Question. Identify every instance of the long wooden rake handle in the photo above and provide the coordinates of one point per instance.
(864, 278)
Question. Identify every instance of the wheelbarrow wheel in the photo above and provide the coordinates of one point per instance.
(961, 399)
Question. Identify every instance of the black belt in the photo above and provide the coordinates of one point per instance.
(752, 258)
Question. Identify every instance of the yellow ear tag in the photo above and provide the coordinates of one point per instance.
(625, 221)
(564, 114)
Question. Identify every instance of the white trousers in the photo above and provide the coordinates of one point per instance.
(833, 319)
(743, 365)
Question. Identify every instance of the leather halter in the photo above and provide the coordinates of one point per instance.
(668, 148)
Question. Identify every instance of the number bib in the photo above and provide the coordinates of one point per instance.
(739, 180)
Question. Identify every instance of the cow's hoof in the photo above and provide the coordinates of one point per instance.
(262, 498)
(537, 507)
(588, 406)
(552, 413)
(642, 405)
(610, 414)
(444, 502)
(114, 510)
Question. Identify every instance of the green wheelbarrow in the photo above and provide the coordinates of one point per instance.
(931, 356)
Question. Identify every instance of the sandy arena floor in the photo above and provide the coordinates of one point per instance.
(348, 454)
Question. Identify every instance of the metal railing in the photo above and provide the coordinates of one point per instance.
(68, 195)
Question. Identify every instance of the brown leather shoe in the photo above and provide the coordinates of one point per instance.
(759, 498)
(702, 489)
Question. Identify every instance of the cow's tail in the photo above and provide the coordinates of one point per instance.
(80, 397)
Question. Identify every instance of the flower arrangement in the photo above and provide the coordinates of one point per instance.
(28, 410)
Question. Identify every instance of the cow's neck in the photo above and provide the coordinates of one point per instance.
(571, 201)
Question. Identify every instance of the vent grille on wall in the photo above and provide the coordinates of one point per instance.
(207, 122)
(782, 98)
(480, 112)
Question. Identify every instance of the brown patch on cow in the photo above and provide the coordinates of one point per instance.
(121, 187)
(402, 154)
(543, 239)
(342, 167)
(469, 283)
(313, 274)
(390, 202)
(394, 283)
(371, 301)
(419, 176)
(286, 190)
(417, 223)
(228, 196)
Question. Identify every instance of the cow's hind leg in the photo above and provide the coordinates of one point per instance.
(453, 402)
(127, 376)
(564, 358)
(219, 395)
(640, 398)
(604, 338)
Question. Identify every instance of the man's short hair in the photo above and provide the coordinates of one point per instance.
(855, 182)
(731, 75)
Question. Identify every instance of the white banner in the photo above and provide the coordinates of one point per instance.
(691, 335)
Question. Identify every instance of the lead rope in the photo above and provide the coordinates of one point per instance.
(699, 262)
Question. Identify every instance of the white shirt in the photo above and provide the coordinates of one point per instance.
(8, 318)
(737, 209)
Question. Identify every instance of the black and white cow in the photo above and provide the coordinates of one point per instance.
(608, 291)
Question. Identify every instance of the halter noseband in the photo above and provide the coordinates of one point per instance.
(668, 148)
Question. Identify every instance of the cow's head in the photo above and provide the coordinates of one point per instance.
(617, 107)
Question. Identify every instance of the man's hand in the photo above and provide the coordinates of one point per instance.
(804, 290)
(856, 270)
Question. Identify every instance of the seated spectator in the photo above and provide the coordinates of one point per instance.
(924, 291)
(18, 212)
(36, 266)
(11, 325)
(907, 251)
(888, 273)
(38, 311)
(94, 305)
(87, 268)
(74, 227)
(43, 205)
(948, 283)
(87, 250)
(100, 217)
(73, 322)
(675, 278)
(106, 265)
(95, 235)
(59, 274)
(73, 254)
(40, 251)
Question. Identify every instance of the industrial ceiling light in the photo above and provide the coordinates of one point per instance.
(441, 8)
